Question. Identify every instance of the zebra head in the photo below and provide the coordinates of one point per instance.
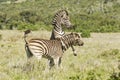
(65, 20)
(62, 18)
(77, 39)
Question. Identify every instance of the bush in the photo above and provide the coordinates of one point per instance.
(115, 76)
(2, 17)
(29, 16)
(97, 21)
(24, 25)
(85, 33)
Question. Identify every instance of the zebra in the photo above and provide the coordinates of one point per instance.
(61, 18)
(50, 49)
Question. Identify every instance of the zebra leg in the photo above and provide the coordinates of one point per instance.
(38, 56)
(29, 65)
(51, 63)
(48, 66)
(57, 62)
(74, 51)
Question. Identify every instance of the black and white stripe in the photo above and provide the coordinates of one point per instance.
(61, 18)
(51, 49)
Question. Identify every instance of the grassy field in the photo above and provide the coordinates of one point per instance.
(98, 59)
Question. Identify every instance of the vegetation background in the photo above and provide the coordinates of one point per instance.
(98, 59)
(91, 15)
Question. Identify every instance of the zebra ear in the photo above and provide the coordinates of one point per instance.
(66, 12)
(27, 31)
(77, 35)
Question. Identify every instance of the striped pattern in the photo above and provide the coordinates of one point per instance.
(71, 40)
(46, 48)
(60, 18)
(51, 49)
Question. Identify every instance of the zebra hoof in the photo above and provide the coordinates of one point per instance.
(75, 54)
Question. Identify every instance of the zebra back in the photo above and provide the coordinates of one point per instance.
(42, 47)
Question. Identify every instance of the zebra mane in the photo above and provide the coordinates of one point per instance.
(69, 40)
(63, 11)
(59, 13)
(27, 31)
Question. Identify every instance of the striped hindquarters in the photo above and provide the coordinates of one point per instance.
(45, 48)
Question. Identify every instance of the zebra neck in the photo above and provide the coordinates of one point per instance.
(58, 29)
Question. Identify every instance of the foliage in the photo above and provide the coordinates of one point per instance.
(86, 15)
(85, 33)
(115, 76)
(29, 16)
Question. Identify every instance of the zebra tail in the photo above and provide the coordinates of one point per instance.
(25, 35)
(29, 53)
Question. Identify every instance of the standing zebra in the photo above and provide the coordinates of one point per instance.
(61, 18)
(50, 49)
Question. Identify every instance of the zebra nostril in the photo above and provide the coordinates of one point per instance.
(81, 43)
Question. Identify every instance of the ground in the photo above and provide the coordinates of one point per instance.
(98, 59)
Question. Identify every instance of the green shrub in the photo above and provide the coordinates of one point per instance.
(77, 77)
(2, 17)
(115, 76)
(97, 21)
(87, 75)
(24, 25)
(29, 16)
(85, 33)
(91, 75)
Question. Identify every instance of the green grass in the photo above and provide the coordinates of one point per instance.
(98, 59)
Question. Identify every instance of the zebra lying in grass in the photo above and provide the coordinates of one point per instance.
(51, 49)
(61, 18)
